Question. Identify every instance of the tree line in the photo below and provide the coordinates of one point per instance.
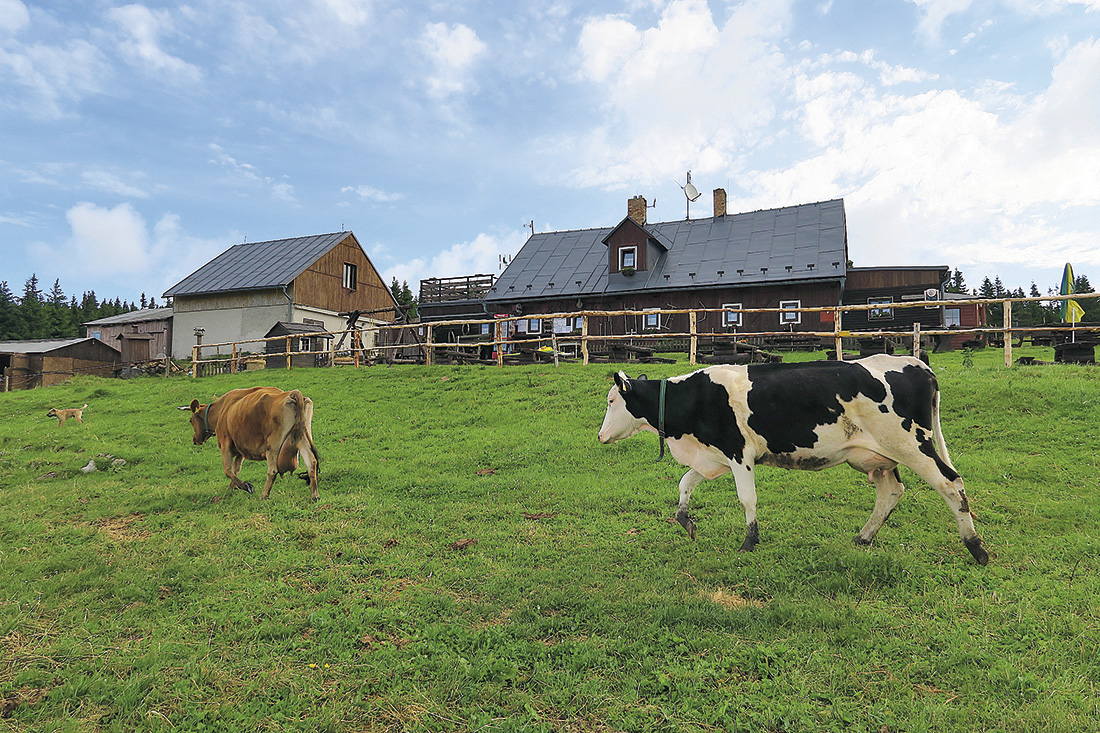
(39, 315)
(1026, 314)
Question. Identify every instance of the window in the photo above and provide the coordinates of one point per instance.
(351, 275)
(881, 313)
(304, 344)
(790, 315)
(628, 257)
(952, 317)
(731, 316)
(485, 329)
(534, 325)
(653, 319)
(578, 323)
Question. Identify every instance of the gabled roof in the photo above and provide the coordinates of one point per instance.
(139, 316)
(257, 265)
(793, 243)
(285, 328)
(45, 346)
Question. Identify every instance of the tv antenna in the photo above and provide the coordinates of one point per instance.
(691, 193)
(530, 226)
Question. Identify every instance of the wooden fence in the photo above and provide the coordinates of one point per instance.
(503, 340)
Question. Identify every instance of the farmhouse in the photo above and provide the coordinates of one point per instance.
(45, 362)
(244, 291)
(784, 259)
(154, 325)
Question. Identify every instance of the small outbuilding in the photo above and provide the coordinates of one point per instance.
(300, 339)
(45, 362)
(156, 322)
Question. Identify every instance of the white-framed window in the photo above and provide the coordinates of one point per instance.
(351, 275)
(952, 317)
(789, 314)
(486, 329)
(304, 344)
(731, 316)
(652, 318)
(520, 325)
(883, 312)
(534, 325)
(628, 257)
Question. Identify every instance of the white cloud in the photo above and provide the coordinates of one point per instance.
(466, 258)
(142, 29)
(686, 93)
(14, 16)
(370, 193)
(111, 183)
(350, 12)
(453, 51)
(53, 75)
(248, 174)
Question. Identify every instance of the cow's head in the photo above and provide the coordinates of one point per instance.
(618, 421)
(200, 421)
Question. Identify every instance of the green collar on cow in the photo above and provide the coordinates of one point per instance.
(661, 419)
(206, 431)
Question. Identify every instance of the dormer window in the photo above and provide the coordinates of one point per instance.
(628, 257)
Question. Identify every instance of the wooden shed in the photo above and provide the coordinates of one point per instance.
(300, 339)
(45, 362)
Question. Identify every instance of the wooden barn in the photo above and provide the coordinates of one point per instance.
(45, 362)
(311, 280)
(786, 258)
(154, 325)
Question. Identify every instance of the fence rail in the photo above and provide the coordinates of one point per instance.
(505, 339)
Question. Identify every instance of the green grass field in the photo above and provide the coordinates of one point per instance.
(479, 562)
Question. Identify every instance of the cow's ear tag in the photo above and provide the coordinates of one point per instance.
(622, 381)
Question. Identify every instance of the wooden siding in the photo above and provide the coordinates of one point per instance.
(627, 235)
(897, 285)
(823, 294)
(322, 284)
(160, 330)
(27, 371)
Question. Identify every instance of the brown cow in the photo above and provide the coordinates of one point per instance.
(259, 424)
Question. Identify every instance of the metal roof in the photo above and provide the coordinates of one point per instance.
(257, 265)
(793, 243)
(44, 346)
(139, 316)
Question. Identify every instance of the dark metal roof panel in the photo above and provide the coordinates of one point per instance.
(257, 265)
(804, 242)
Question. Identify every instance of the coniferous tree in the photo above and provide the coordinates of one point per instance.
(31, 311)
(9, 315)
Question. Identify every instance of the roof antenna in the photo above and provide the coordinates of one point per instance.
(691, 193)
(530, 226)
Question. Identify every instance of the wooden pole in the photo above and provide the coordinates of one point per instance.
(554, 346)
(332, 353)
(694, 348)
(916, 339)
(499, 343)
(428, 345)
(584, 340)
(1008, 333)
(288, 353)
(838, 337)
(233, 366)
(194, 361)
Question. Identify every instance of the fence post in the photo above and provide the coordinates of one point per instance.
(838, 338)
(584, 339)
(498, 327)
(288, 353)
(233, 365)
(332, 353)
(693, 350)
(427, 345)
(194, 361)
(1008, 333)
(916, 339)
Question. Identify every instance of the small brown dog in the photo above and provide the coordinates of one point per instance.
(63, 415)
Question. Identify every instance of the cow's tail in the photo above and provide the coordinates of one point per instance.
(937, 431)
(288, 451)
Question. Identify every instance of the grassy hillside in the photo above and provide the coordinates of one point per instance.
(479, 562)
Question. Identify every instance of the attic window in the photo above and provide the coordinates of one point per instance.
(628, 257)
(351, 275)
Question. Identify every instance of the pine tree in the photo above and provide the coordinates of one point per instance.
(58, 322)
(32, 314)
(9, 315)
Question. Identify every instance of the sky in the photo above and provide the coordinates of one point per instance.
(138, 141)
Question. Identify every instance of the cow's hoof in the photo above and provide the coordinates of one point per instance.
(974, 544)
(247, 486)
(687, 523)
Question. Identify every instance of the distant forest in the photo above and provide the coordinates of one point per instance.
(39, 315)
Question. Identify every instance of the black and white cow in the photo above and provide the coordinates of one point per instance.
(873, 414)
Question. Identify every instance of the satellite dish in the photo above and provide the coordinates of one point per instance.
(691, 193)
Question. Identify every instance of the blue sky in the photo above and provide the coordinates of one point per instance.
(140, 140)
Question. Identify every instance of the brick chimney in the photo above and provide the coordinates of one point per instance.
(636, 208)
(719, 202)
